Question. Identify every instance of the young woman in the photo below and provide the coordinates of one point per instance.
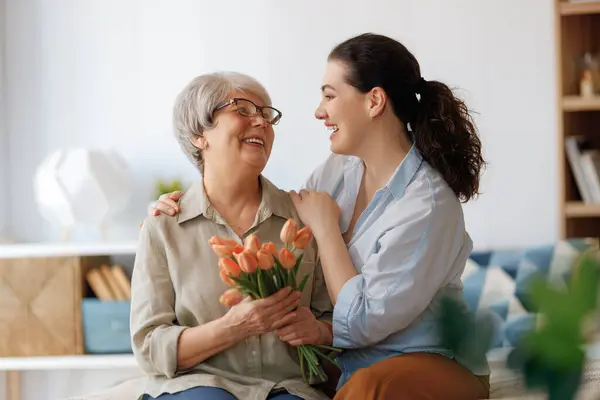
(385, 209)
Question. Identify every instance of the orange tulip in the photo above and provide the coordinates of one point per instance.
(226, 278)
(265, 259)
(237, 247)
(252, 243)
(269, 247)
(288, 232)
(222, 250)
(287, 258)
(215, 240)
(247, 260)
(225, 247)
(302, 238)
(230, 267)
(231, 297)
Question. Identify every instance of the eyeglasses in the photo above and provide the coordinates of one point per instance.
(247, 108)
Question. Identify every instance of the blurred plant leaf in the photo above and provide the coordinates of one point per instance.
(552, 356)
(467, 335)
(162, 186)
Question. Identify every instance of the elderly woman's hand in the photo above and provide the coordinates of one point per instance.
(166, 204)
(256, 317)
(301, 327)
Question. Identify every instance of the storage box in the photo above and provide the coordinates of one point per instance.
(40, 304)
(106, 326)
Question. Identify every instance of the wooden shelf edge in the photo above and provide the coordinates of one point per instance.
(577, 209)
(579, 8)
(578, 103)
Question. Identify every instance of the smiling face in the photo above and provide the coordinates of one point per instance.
(344, 109)
(237, 141)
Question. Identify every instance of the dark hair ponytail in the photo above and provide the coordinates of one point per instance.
(443, 130)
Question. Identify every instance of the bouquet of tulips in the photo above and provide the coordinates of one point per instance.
(259, 271)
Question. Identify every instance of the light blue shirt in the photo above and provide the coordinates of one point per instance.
(409, 246)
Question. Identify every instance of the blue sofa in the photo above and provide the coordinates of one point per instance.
(498, 280)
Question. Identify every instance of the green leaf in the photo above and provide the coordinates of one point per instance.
(291, 279)
(269, 281)
(563, 385)
(313, 362)
(585, 284)
(303, 283)
(330, 348)
(297, 265)
(262, 291)
(280, 271)
(454, 322)
(302, 363)
(246, 285)
(468, 336)
(551, 357)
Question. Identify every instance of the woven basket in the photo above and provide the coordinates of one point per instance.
(40, 305)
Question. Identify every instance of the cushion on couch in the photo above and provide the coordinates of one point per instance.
(498, 281)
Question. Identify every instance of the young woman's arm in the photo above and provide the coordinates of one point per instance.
(413, 260)
(337, 265)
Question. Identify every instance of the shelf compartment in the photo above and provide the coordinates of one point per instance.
(577, 209)
(578, 103)
(579, 8)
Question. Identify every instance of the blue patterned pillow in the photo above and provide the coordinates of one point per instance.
(492, 289)
(498, 281)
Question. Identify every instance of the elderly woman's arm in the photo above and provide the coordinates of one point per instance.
(163, 347)
(160, 345)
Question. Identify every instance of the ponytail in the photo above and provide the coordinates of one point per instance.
(444, 133)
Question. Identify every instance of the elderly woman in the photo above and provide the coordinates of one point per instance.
(190, 345)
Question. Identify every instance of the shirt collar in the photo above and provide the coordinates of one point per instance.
(274, 201)
(405, 172)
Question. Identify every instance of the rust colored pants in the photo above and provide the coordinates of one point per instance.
(416, 376)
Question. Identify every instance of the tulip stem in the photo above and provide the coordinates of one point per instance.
(330, 348)
(302, 367)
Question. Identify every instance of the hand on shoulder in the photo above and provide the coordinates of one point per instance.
(166, 204)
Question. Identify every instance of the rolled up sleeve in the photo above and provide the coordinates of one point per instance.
(154, 330)
(411, 262)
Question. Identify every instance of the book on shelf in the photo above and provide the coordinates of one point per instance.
(109, 283)
(584, 161)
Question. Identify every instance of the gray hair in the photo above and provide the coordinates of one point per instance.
(193, 110)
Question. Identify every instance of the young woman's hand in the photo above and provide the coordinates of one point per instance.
(256, 317)
(166, 204)
(317, 210)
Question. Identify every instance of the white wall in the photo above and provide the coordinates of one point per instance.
(3, 134)
(105, 72)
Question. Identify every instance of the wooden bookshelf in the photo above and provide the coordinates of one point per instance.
(577, 31)
(579, 8)
(577, 103)
(577, 209)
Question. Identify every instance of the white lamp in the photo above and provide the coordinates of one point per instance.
(82, 186)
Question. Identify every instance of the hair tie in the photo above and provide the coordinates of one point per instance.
(420, 86)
